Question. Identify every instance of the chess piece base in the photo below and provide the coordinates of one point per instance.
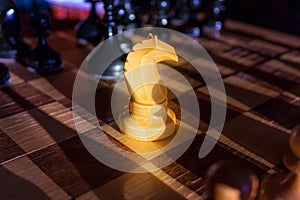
(44, 60)
(157, 128)
(6, 50)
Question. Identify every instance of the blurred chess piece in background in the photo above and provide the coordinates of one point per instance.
(285, 186)
(230, 180)
(186, 19)
(217, 15)
(12, 45)
(90, 30)
(43, 59)
(160, 13)
(111, 24)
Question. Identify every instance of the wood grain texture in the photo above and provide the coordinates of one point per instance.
(42, 156)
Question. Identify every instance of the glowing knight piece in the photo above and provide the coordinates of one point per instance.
(141, 74)
(150, 119)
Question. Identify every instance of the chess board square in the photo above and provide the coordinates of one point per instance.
(243, 57)
(63, 82)
(8, 148)
(66, 102)
(272, 90)
(213, 46)
(283, 110)
(75, 58)
(292, 57)
(266, 141)
(25, 180)
(21, 71)
(228, 37)
(263, 47)
(133, 186)
(244, 94)
(295, 90)
(72, 167)
(178, 76)
(205, 107)
(277, 73)
(8, 106)
(42, 126)
(21, 97)
(43, 85)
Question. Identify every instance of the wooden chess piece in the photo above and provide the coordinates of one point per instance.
(43, 59)
(282, 186)
(149, 117)
(231, 180)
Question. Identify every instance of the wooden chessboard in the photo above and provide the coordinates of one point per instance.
(42, 156)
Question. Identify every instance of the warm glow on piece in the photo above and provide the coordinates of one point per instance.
(149, 119)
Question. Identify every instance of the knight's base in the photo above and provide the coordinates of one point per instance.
(159, 129)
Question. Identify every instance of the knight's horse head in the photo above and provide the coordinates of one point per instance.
(150, 51)
(159, 51)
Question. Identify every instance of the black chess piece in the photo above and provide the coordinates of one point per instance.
(185, 19)
(109, 24)
(12, 45)
(231, 180)
(90, 30)
(43, 59)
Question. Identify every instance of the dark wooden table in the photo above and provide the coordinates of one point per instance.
(42, 156)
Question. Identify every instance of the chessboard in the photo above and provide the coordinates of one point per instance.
(42, 156)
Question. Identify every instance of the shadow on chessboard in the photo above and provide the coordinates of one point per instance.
(15, 187)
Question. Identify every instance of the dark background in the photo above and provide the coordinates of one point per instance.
(282, 15)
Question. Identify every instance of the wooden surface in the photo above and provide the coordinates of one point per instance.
(42, 156)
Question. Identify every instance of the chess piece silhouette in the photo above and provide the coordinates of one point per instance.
(12, 45)
(90, 30)
(43, 59)
(285, 186)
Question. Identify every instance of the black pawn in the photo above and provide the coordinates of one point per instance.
(91, 29)
(43, 59)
